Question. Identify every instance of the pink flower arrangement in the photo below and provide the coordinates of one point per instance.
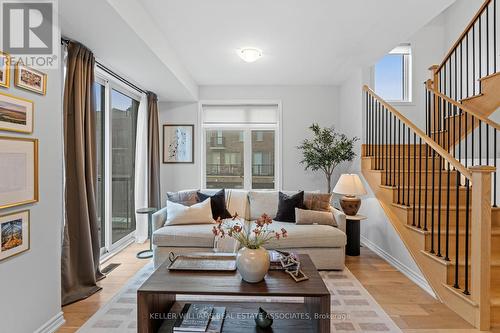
(251, 236)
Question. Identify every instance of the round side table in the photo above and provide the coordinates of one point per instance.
(146, 254)
(353, 234)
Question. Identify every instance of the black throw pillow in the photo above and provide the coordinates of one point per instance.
(218, 204)
(287, 205)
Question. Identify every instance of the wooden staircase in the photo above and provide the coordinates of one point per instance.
(446, 221)
(438, 185)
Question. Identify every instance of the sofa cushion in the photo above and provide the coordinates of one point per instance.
(194, 235)
(287, 205)
(317, 201)
(237, 202)
(263, 202)
(306, 236)
(195, 214)
(218, 203)
(187, 197)
(307, 216)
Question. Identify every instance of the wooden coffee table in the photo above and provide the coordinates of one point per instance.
(156, 299)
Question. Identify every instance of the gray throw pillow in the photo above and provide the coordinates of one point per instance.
(186, 198)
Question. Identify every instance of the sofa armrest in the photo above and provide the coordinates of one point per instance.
(339, 217)
(159, 219)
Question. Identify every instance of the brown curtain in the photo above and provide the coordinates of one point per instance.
(80, 251)
(153, 152)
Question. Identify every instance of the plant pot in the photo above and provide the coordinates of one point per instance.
(252, 264)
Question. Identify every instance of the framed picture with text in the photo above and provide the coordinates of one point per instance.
(18, 171)
(178, 143)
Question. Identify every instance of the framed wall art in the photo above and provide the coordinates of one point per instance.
(18, 171)
(30, 79)
(14, 233)
(16, 114)
(178, 143)
(4, 70)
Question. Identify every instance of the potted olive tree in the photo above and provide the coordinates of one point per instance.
(326, 150)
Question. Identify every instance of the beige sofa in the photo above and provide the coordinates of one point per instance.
(323, 243)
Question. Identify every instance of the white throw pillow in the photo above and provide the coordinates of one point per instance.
(305, 216)
(200, 213)
(263, 202)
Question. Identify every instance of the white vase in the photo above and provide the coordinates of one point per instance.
(253, 264)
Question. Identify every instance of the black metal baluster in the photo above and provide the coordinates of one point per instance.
(457, 231)
(480, 142)
(366, 123)
(386, 150)
(439, 206)
(394, 153)
(403, 170)
(409, 170)
(426, 184)
(467, 205)
(419, 180)
(474, 59)
(472, 141)
(480, 56)
(487, 40)
(399, 160)
(414, 174)
(432, 199)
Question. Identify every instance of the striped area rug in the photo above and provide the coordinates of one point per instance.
(353, 308)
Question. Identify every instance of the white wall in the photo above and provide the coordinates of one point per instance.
(30, 292)
(301, 106)
(429, 46)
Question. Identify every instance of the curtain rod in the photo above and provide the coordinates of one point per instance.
(66, 41)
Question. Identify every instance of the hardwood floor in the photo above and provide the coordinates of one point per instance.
(78, 313)
(411, 308)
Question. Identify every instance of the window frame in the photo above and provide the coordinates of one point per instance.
(109, 82)
(247, 139)
(406, 51)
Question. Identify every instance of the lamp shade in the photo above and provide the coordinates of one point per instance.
(349, 184)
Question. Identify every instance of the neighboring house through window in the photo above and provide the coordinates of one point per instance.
(240, 147)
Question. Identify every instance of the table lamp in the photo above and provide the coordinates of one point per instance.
(350, 185)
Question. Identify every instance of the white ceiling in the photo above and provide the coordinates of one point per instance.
(173, 46)
(304, 42)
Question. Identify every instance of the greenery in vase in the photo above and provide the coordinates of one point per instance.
(251, 236)
(326, 150)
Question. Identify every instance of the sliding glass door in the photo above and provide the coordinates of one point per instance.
(123, 133)
(116, 125)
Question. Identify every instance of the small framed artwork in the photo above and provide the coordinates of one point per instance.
(4, 70)
(18, 171)
(16, 114)
(30, 79)
(178, 143)
(14, 234)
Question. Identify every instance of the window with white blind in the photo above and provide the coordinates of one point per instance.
(240, 147)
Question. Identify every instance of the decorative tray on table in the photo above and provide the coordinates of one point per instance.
(202, 262)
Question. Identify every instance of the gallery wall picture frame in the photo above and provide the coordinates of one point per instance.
(18, 171)
(30, 79)
(16, 114)
(14, 234)
(4, 69)
(178, 143)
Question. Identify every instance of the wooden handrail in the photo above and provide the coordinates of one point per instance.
(463, 34)
(433, 144)
(463, 107)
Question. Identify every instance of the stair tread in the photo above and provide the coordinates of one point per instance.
(471, 97)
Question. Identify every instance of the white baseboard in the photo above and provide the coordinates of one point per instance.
(52, 325)
(417, 278)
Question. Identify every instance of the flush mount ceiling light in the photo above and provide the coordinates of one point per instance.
(249, 54)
